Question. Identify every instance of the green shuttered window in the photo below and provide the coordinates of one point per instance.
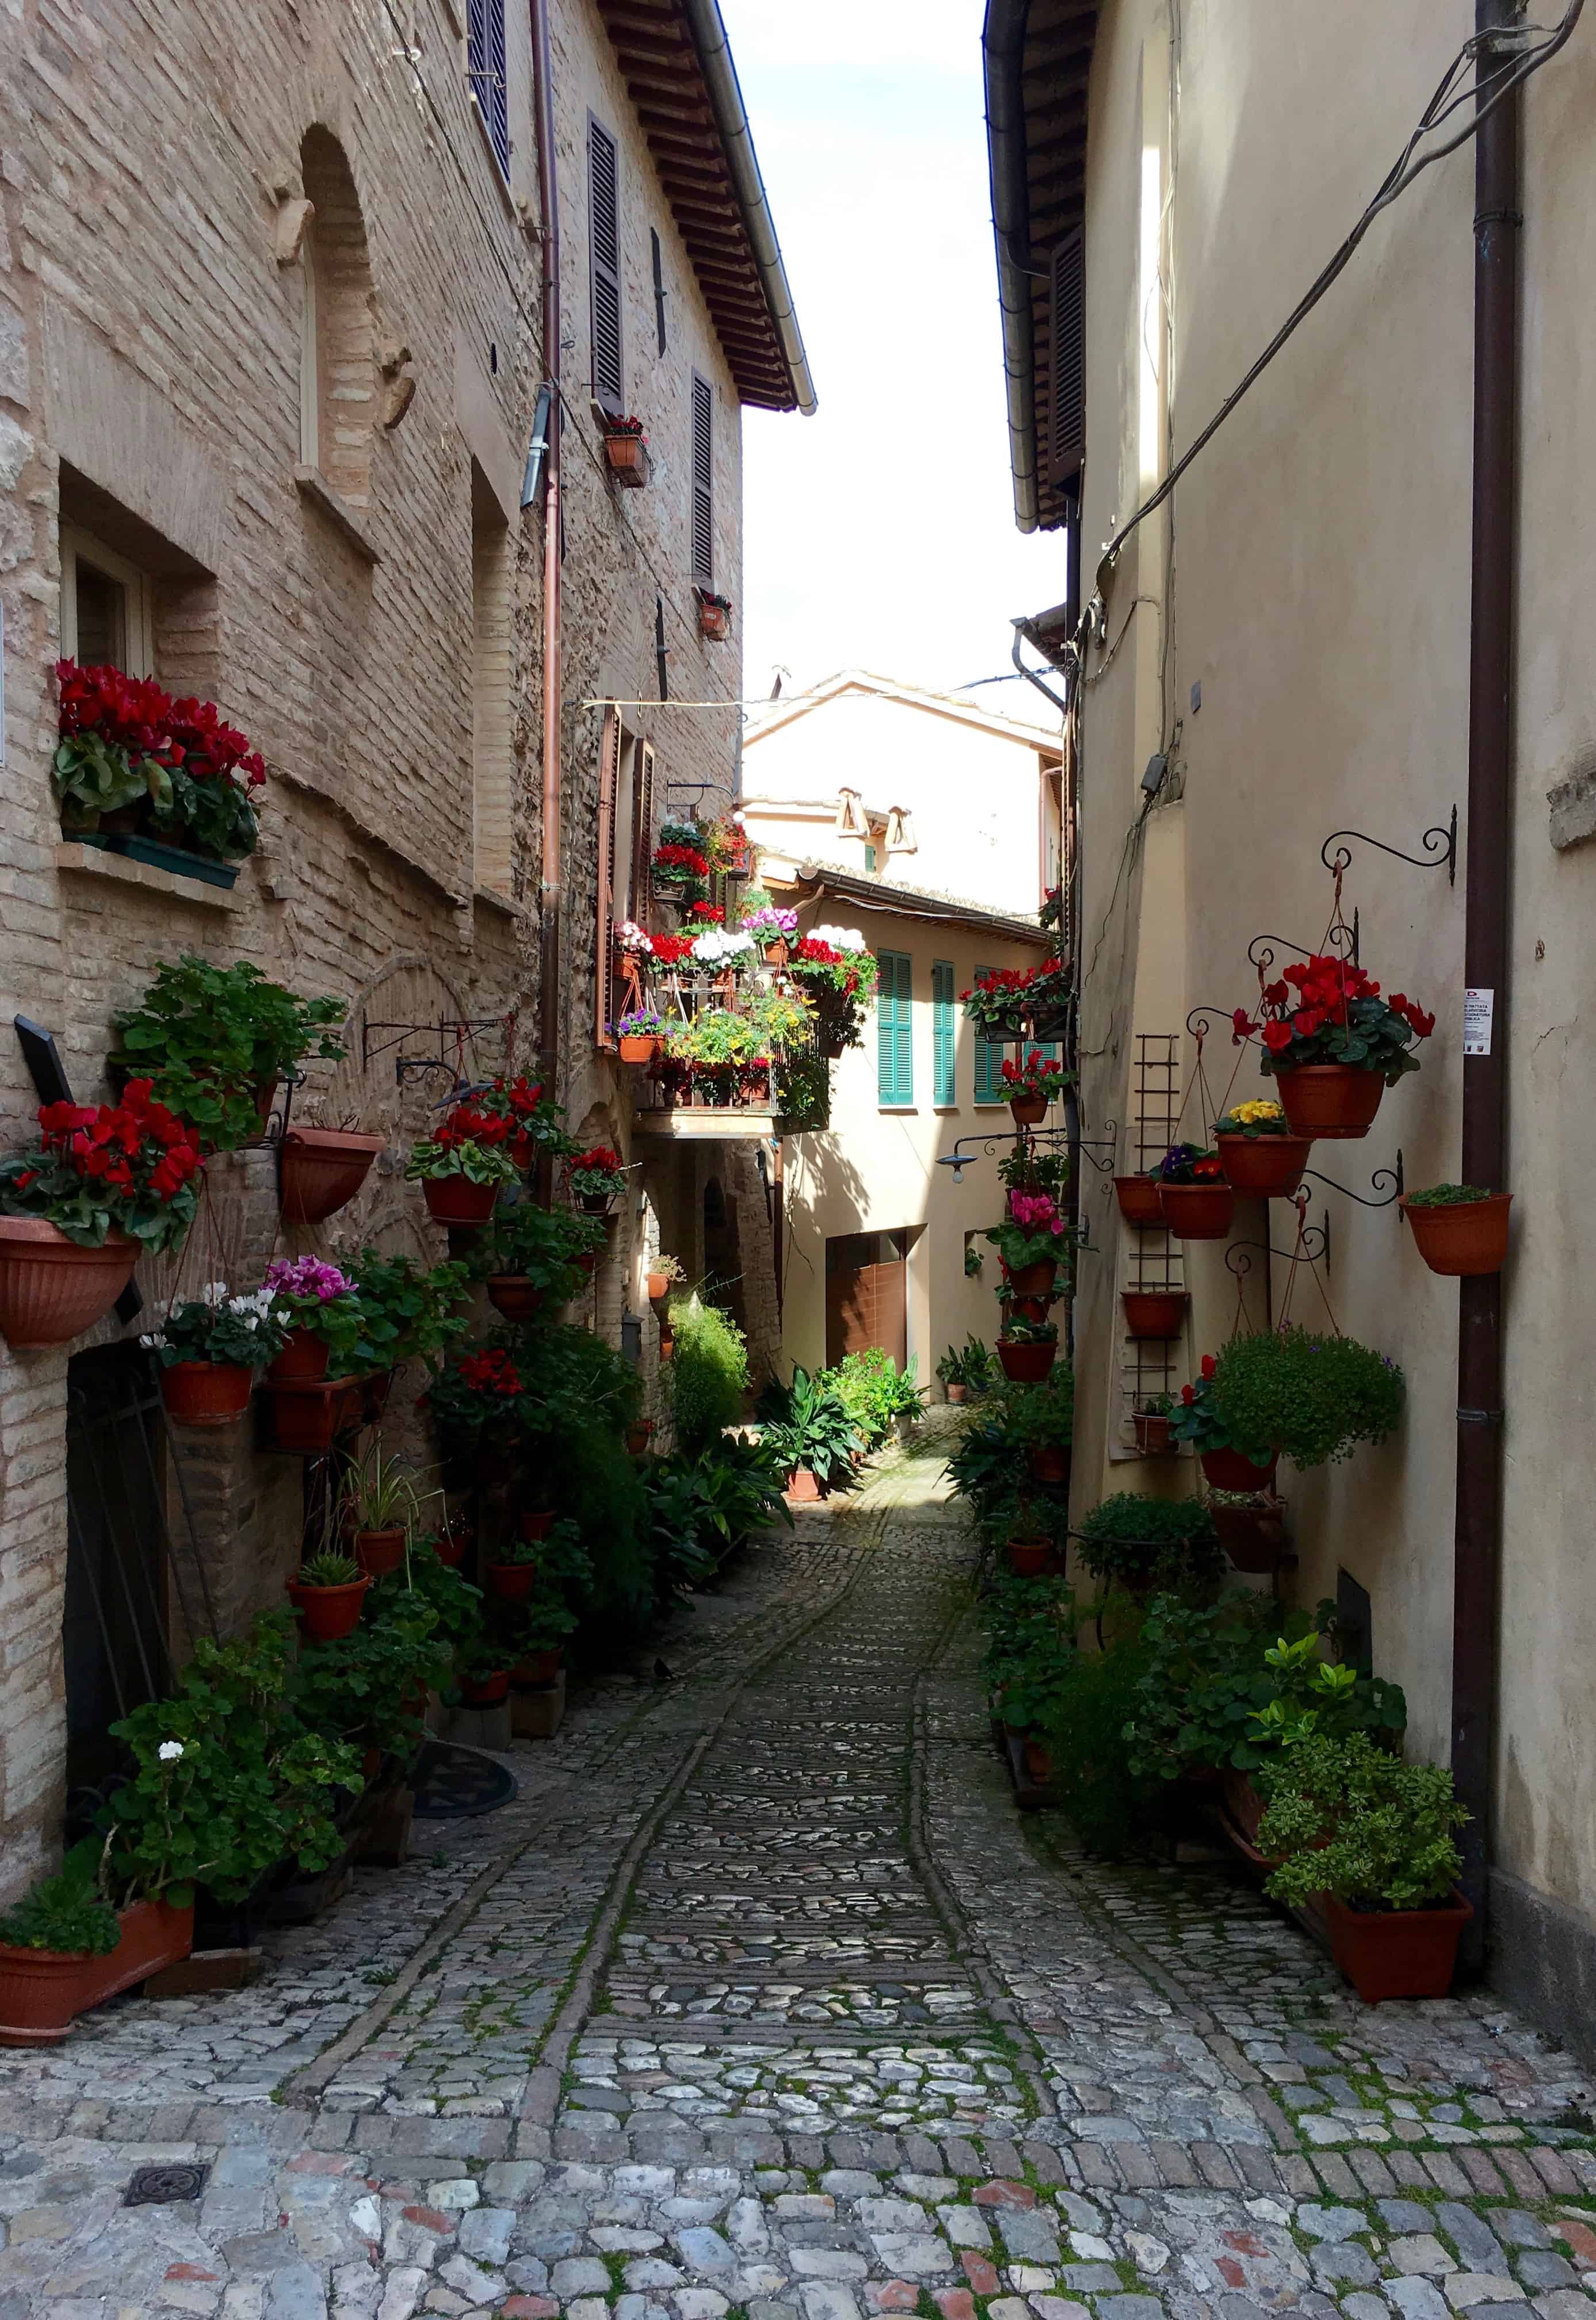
(944, 1083)
(989, 1060)
(894, 1042)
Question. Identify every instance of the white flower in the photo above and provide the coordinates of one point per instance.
(214, 1293)
(170, 1751)
(839, 937)
(717, 945)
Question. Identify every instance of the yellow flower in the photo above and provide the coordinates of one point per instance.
(1255, 1113)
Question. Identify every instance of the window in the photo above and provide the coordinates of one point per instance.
(603, 236)
(492, 756)
(703, 481)
(869, 858)
(1067, 401)
(894, 1040)
(944, 1034)
(106, 611)
(604, 899)
(989, 1060)
(490, 87)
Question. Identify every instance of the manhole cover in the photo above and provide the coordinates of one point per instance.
(159, 2186)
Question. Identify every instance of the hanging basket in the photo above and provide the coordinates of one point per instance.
(50, 1289)
(1029, 1111)
(658, 1287)
(1152, 1434)
(378, 1552)
(1026, 1365)
(1138, 1200)
(513, 1295)
(1228, 1469)
(321, 1169)
(594, 1204)
(1462, 1237)
(1330, 1101)
(1197, 1211)
(1153, 1313)
(510, 1582)
(1263, 1167)
(327, 1614)
(206, 1393)
(451, 1200)
(640, 1050)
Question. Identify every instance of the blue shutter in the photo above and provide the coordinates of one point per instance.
(944, 1082)
(989, 1057)
(895, 1044)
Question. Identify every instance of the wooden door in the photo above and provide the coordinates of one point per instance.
(866, 1296)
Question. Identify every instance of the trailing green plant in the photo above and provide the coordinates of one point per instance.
(1169, 1543)
(1042, 1417)
(807, 1424)
(570, 1378)
(803, 1090)
(1312, 1394)
(240, 1332)
(228, 1778)
(66, 1913)
(1199, 1421)
(708, 1374)
(537, 1245)
(1103, 1795)
(409, 1312)
(367, 1689)
(1348, 1818)
(1447, 1196)
(214, 1038)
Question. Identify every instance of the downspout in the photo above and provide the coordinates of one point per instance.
(1002, 53)
(548, 209)
(1478, 1519)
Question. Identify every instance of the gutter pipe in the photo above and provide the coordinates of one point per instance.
(548, 1010)
(1477, 1530)
(1002, 53)
(737, 139)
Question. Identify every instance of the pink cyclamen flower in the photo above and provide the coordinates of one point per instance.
(307, 1276)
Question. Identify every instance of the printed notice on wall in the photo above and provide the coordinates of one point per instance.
(1478, 1007)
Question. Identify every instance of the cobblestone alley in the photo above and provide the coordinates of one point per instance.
(760, 1996)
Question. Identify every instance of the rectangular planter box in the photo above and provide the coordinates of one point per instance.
(175, 858)
(40, 1993)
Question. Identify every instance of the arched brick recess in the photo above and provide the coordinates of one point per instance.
(339, 278)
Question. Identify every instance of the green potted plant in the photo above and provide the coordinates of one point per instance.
(1042, 1420)
(538, 1639)
(1373, 1837)
(1459, 1229)
(210, 1348)
(513, 1566)
(1151, 1423)
(965, 1369)
(1308, 1394)
(1028, 1243)
(104, 1184)
(1228, 1464)
(1335, 1047)
(379, 1507)
(1026, 1350)
(215, 1040)
(49, 1942)
(409, 1312)
(1193, 1198)
(807, 1426)
(368, 1690)
(530, 1256)
(327, 1594)
(484, 1668)
(1257, 1151)
(596, 1179)
(1144, 1543)
(463, 1167)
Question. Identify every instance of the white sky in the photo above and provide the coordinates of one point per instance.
(881, 533)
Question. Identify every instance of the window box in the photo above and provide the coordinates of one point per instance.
(714, 616)
(627, 455)
(178, 859)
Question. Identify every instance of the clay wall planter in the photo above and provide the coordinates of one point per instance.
(484, 1691)
(308, 1418)
(1397, 1953)
(1254, 1538)
(1152, 1435)
(1029, 1111)
(1034, 1558)
(1263, 1167)
(713, 620)
(1332, 1101)
(804, 1488)
(1034, 1280)
(1049, 1463)
(640, 1050)
(1153, 1313)
(1026, 1365)
(451, 1200)
(628, 459)
(658, 1287)
(955, 1393)
(1138, 1200)
(1197, 1211)
(378, 1552)
(537, 1671)
(320, 1169)
(1228, 1469)
(302, 1360)
(537, 1524)
(50, 1289)
(639, 1437)
(513, 1295)
(512, 1582)
(327, 1613)
(1466, 1238)
(206, 1393)
(41, 1990)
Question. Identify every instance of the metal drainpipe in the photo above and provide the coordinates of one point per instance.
(1478, 1520)
(548, 205)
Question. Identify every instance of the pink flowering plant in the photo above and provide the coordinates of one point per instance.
(310, 1294)
(1034, 1233)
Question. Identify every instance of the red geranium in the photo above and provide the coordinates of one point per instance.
(492, 1373)
(706, 914)
(126, 1168)
(681, 858)
(670, 950)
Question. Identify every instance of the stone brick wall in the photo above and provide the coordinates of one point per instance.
(151, 292)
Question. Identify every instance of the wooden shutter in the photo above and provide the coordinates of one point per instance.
(1067, 401)
(484, 44)
(603, 221)
(604, 898)
(988, 1060)
(894, 1043)
(703, 481)
(641, 899)
(943, 1083)
(658, 287)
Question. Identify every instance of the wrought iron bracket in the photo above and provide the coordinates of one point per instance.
(441, 1031)
(1089, 1146)
(1305, 1249)
(1342, 938)
(959, 1159)
(1439, 844)
(1396, 1177)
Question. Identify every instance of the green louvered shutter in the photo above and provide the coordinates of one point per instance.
(944, 1083)
(894, 1032)
(989, 1060)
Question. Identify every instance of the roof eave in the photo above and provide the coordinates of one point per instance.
(814, 879)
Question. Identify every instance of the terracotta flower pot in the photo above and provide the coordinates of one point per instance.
(1463, 1237)
(1028, 1309)
(1152, 1434)
(321, 1169)
(308, 1418)
(450, 1549)
(1153, 1313)
(594, 1204)
(713, 620)
(777, 952)
(1254, 1538)
(206, 1393)
(1228, 1469)
(1049, 1463)
(153, 1934)
(802, 1487)
(512, 1582)
(658, 1287)
(1034, 1280)
(378, 1552)
(638, 1049)
(1029, 1111)
(451, 1200)
(1332, 1101)
(1039, 1762)
(537, 1671)
(1397, 1953)
(485, 1690)
(302, 1360)
(1033, 1558)
(50, 1289)
(536, 1524)
(1138, 1200)
(1197, 1211)
(955, 1393)
(39, 1992)
(326, 1613)
(1026, 1365)
(1264, 1167)
(513, 1295)
(627, 458)
(639, 1437)
(586, 1263)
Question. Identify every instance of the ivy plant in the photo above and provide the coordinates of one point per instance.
(1170, 1542)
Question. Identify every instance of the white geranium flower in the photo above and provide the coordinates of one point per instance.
(170, 1751)
(839, 937)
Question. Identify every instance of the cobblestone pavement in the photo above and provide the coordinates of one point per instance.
(761, 1999)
